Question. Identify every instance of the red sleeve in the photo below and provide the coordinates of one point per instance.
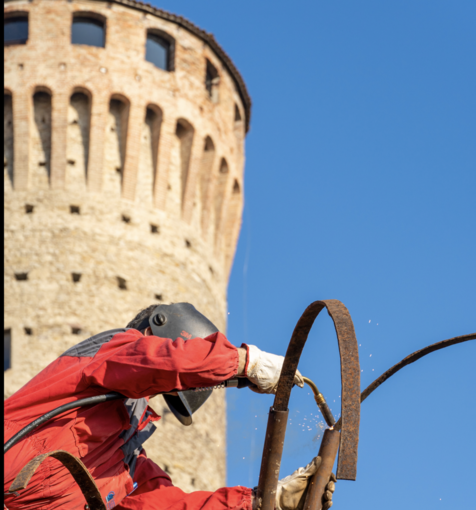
(140, 366)
(156, 492)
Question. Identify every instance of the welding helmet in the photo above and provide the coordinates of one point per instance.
(181, 320)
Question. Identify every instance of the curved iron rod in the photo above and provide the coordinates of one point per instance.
(411, 358)
(350, 380)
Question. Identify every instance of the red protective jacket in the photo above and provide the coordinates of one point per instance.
(108, 437)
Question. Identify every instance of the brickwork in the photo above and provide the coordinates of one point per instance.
(123, 187)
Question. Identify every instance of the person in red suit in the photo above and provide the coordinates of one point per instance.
(165, 349)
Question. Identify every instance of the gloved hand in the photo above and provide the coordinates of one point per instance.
(263, 369)
(292, 490)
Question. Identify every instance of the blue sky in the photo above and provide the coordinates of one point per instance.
(359, 185)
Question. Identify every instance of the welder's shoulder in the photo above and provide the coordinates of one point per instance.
(88, 348)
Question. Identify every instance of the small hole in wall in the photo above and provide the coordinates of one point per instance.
(188, 244)
(158, 297)
(125, 218)
(154, 229)
(76, 277)
(192, 481)
(166, 469)
(211, 269)
(74, 209)
(75, 121)
(75, 330)
(41, 163)
(71, 162)
(28, 331)
(21, 277)
(118, 169)
(29, 208)
(121, 283)
(169, 187)
(20, 66)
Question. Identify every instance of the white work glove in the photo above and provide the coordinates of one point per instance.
(263, 370)
(291, 491)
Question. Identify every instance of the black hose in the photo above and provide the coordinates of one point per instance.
(98, 399)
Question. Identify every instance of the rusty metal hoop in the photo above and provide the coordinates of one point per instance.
(350, 380)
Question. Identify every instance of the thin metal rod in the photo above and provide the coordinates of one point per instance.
(411, 358)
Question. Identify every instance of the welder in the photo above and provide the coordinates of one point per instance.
(166, 349)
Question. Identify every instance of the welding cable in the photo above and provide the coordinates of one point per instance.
(411, 358)
(321, 402)
(98, 399)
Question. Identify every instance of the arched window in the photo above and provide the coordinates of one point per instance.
(77, 140)
(220, 191)
(184, 132)
(115, 146)
(88, 29)
(149, 149)
(159, 50)
(8, 139)
(212, 79)
(40, 143)
(15, 29)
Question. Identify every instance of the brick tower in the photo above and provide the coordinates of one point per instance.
(123, 172)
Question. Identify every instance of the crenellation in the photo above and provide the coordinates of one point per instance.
(127, 190)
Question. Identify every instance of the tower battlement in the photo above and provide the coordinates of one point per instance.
(123, 172)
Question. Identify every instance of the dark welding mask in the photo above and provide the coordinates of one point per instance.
(181, 320)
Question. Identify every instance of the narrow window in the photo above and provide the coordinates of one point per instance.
(206, 168)
(158, 51)
(75, 330)
(220, 191)
(232, 221)
(77, 141)
(40, 159)
(158, 297)
(21, 277)
(121, 283)
(74, 209)
(88, 30)
(28, 331)
(29, 208)
(236, 187)
(154, 229)
(149, 149)
(8, 140)
(7, 349)
(212, 79)
(237, 114)
(15, 30)
(184, 132)
(115, 146)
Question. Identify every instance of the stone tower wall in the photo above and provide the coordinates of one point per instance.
(123, 187)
